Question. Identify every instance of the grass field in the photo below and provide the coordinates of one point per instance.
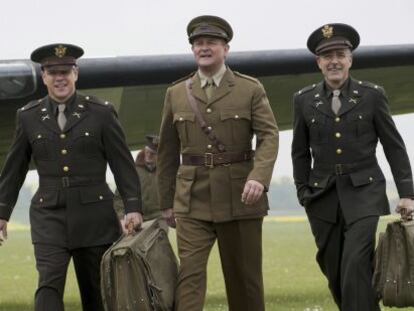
(292, 278)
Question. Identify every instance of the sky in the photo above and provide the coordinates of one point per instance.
(158, 27)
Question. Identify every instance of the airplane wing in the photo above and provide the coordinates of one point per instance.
(136, 84)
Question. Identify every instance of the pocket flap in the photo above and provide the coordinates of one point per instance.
(39, 136)
(97, 193)
(184, 116)
(235, 114)
(83, 133)
(316, 119)
(45, 198)
(366, 176)
(186, 172)
(318, 181)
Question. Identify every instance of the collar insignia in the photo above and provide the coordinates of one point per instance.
(353, 100)
(76, 114)
(45, 117)
(318, 103)
(316, 95)
(327, 31)
(60, 51)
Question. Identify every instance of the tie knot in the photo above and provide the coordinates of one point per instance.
(61, 107)
(210, 82)
(336, 93)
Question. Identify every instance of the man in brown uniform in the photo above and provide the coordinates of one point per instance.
(337, 125)
(218, 189)
(71, 138)
(145, 165)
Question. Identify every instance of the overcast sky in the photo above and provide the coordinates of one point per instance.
(126, 27)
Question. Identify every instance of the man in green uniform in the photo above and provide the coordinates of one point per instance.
(71, 139)
(337, 125)
(212, 186)
(145, 164)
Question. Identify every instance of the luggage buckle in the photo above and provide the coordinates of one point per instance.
(208, 160)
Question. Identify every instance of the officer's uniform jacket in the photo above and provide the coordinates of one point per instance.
(238, 109)
(73, 206)
(334, 159)
(150, 202)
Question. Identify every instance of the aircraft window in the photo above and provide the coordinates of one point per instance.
(17, 79)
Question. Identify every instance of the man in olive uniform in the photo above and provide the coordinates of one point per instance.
(218, 189)
(71, 138)
(145, 164)
(337, 125)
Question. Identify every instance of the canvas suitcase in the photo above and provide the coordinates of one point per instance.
(139, 271)
(393, 278)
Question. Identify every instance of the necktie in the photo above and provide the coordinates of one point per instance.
(336, 102)
(209, 88)
(61, 119)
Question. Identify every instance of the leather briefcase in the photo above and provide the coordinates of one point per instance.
(393, 278)
(139, 272)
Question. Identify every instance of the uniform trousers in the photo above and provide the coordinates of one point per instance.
(52, 264)
(345, 253)
(240, 248)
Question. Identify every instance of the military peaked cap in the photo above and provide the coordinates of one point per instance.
(57, 54)
(152, 142)
(331, 37)
(208, 25)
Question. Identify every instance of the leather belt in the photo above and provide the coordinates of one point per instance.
(342, 169)
(69, 181)
(216, 159)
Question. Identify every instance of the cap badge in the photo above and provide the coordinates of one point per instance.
(327, 31)
(60, 51)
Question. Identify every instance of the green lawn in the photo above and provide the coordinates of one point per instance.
(292, 278)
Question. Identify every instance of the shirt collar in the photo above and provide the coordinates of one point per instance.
(70, 103)
(344, 89)
(217, 77)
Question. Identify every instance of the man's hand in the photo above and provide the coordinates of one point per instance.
(169, 217)
(3, 230)
(123, 227)
(252, 192)
(406, 208)
(135, 219)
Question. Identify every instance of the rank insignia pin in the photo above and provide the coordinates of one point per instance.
(45, 117)
(76, 114)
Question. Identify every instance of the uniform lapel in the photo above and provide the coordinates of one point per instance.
(225, 87)
(320, 102)
(196, 89)
(47, 116)
(351, 98)
(78, 114)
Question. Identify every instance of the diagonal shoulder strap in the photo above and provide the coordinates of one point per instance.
(208, 131)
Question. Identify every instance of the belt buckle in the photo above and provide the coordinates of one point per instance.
(65, 182)
(339, 169)
(208, 160)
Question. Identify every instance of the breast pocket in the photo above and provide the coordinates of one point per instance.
(359, 125)
(237, 125)
(317, 130)
(184, 123)
(85, 144)
(43, 146)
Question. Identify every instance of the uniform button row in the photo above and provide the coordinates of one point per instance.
(337, 119)
(338, 135)
(63, 151)
(338, 151)
(66, 168)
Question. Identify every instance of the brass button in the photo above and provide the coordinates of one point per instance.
(236, 116)
(313, 120)
(338, 151)
(209, 146)
(106, 103)
(63, 151)
(315, 184)
(41, 200)
(360, 117)
(100, 197)
(63, 136)
(209, 110)
(337, 119)
(181, 119)
(87, 97)
(86, 133)
(338, 135)
(66, 168)
(39, 136)
(371, 179)
(209, 128)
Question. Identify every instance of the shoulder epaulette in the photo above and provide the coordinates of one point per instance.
(30, 105)
(98, 101)
(246, 77)
(371, 85)
(305, 89)
(184, 78)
